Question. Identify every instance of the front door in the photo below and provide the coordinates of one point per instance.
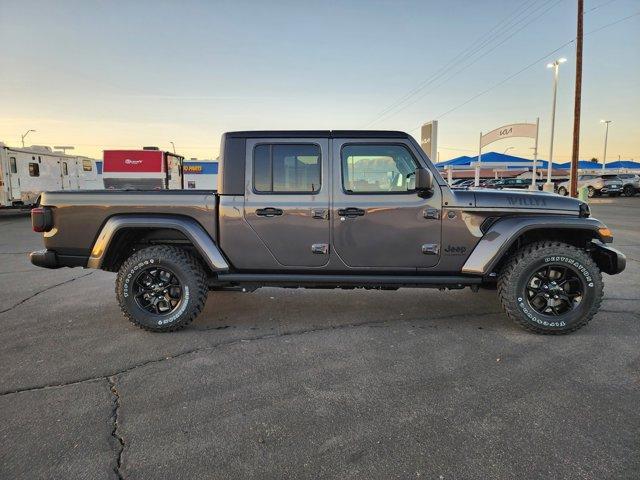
(378, 219)
(287, 198)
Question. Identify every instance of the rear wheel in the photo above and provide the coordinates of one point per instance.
(591, 192)
(161, 288)
(551, 288)
(562, 191)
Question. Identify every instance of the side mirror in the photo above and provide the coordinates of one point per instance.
(424, 180)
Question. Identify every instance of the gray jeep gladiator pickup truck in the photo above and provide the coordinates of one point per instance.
(331, 209)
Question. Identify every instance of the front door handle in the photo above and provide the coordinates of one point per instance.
(351, 212)
(269, 212)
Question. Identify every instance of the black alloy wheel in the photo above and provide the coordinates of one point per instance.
(157, 290)
(554, 290)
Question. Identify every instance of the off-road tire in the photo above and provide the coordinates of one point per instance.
(525, 262)
(562, 191)
(186, 268)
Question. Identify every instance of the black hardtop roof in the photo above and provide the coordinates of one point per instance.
(318, 133)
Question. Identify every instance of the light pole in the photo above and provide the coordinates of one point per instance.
(507, 149)
(174, 147)
(556, 67)
(606, 137)
(25, 134)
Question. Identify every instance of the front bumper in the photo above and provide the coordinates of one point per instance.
(611, 189)
(50, 259)
(609, 259)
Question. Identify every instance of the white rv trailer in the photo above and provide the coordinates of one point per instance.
(27, 172)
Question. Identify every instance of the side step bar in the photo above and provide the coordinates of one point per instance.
(346, 280)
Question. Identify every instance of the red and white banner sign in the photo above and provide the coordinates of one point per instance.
(133, 161)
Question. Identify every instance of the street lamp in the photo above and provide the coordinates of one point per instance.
(507, 149)
(25, 134)
(606, 137)
(174, 147)
(556, 67)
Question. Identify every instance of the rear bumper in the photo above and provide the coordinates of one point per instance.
(50, 259)
(609, 259)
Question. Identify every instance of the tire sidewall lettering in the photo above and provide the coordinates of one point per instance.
(542, 320)
(128, 286)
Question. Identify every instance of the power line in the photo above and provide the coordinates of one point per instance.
(532, 64)
(452, 75)
(460, 57)
(600, 6)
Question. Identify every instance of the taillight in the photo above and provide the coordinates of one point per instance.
(41, 219)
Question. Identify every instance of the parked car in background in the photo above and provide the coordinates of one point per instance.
(458, 181)
(630, 183)
(520, 183)
(596, 185)
(488, 183)
(464, 184)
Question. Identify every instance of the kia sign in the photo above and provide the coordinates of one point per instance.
(527, 130)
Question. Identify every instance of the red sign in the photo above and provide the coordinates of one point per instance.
(133, 161)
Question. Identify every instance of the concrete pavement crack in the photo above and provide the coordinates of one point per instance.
(114, 431)
(226, 343)
(44, 290)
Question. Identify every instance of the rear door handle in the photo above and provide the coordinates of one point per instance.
(269, 212)
(351, 212)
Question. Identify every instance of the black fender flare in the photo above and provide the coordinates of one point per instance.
(191, 229)
(504, 232)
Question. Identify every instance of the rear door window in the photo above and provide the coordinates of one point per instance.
(286, 168)
(13, 168)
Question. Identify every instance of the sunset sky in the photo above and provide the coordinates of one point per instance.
(113, 74)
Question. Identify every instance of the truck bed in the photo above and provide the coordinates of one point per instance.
(79, 215)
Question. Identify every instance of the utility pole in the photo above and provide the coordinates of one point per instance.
(25, 134)
(575, 154)
(606, 138)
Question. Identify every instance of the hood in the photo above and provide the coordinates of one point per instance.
(519, 200)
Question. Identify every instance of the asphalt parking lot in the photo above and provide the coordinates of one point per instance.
(313, 384)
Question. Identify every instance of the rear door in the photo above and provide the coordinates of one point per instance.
(378, 219)
(14, 179)
(287, 198)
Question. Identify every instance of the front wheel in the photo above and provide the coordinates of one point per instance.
(629, 191)
(161, 288)
(551, 288)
